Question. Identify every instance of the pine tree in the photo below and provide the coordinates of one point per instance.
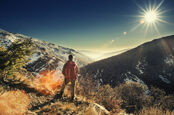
(13, 60)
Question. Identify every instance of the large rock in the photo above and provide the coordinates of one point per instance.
(96, 109)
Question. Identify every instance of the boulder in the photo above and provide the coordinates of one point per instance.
(96, 109)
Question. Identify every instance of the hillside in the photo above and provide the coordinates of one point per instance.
(151, 63)
(46, 55)
(35, 88)
(46, 63)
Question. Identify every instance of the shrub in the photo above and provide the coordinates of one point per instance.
(133, 96)
(161, 100)
(90, 90)
(85, 88)
(107, 97)
(154, 111)
(167, 103)
(157, 95)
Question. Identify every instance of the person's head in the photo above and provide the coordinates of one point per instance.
(70, 57)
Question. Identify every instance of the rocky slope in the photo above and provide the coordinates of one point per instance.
(46, 55)
(151, 63)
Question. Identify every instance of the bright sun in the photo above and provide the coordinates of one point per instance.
(150, 16)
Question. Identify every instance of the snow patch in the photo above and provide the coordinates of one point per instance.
(138, 67)
(101, 81)
(132, 78)
(60, 65)
(98, 74)
(141, 66)
(4, 42)
(34, 57)
(21, 36)
(164, 79)
(11, 37)
(169, 60)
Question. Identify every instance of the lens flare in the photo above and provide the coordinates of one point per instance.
(48, 82)
(141, 21)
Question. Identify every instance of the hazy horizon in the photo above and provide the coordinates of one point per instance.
(96, 54)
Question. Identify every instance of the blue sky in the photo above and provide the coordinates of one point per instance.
(98, 25)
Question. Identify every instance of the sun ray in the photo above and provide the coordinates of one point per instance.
(162, 12)
(150, 5)
(159, 5)
(141, 8)
(161, 20)
(138, 25)
(156, 29)
(154, 5)
(147, 27)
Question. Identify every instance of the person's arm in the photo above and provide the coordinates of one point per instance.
(63, 70)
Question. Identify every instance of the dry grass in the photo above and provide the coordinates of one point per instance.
(63, 108)
(155, 111)
(61, 105)
(14, 103)
(85, 89)
(68, 91)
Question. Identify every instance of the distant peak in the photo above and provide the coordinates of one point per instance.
(2, 30)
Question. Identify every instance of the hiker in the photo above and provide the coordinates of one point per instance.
(70, 72)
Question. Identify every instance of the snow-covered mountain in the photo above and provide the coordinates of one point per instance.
(46, 55)
(151, 63)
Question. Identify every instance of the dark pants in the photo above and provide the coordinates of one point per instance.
(72, 87)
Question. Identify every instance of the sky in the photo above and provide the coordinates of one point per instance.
(88, 25)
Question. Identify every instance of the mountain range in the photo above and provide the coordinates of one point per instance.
(151, 64)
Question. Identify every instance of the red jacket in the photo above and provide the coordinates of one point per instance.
(70, 71)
